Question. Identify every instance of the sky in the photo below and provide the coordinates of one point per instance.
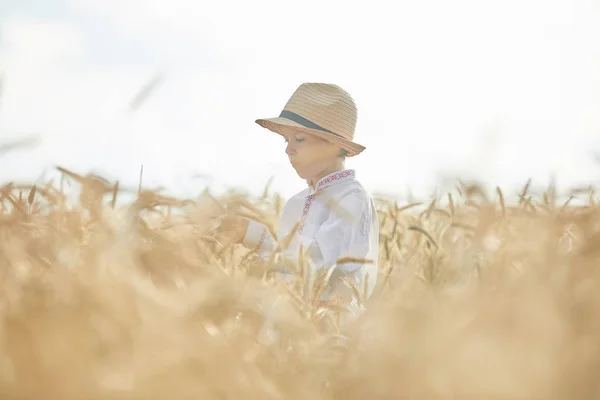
(498, 91)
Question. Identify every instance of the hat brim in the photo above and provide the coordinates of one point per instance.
(275, 124)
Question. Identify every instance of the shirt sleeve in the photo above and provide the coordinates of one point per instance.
(259, 239)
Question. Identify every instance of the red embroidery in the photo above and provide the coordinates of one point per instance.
(307, 203)
(323, 183)
(262, 239)
(333, 177)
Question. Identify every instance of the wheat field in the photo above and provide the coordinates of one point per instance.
(478, 297)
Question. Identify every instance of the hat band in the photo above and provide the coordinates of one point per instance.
(304, 122)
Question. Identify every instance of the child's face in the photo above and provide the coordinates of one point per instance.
(308, 154)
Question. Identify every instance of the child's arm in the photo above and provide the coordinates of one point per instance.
(259, 239)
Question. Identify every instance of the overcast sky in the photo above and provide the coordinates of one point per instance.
(495, 90)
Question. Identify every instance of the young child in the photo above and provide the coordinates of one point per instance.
(336, 217)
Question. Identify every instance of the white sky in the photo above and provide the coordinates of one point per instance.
(495, 90)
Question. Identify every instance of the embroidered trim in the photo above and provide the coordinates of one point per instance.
(307, 204)
(334, 177)
(323, 183)
(262, 240)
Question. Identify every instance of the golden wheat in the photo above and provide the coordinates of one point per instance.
(145, 301)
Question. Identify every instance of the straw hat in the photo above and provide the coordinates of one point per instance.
(321, 109)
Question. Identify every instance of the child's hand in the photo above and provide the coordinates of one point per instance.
(233, 228)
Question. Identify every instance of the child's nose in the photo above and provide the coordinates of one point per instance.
(289, 149)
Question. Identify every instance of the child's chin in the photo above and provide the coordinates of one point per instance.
(303, 174)
(300, 171)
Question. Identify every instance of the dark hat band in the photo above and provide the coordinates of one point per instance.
(304, 122)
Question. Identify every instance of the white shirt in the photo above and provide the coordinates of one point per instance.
(337, 219)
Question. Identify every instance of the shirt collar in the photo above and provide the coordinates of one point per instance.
(332, 179)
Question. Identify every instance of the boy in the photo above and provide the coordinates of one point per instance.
(336, 217)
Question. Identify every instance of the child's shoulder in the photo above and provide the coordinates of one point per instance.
(356, 190)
